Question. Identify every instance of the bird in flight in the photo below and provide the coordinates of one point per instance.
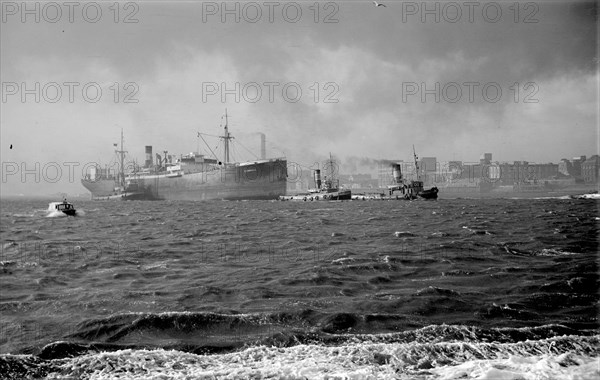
(378, 4)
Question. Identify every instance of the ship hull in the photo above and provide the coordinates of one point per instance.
(102, 188)
(406, 195)
(261, 181)
(341, 195)
(429, 194)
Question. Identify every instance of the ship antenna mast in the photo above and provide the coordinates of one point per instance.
(416, 164)
(332, 177)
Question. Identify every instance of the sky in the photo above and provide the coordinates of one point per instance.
(364, 83)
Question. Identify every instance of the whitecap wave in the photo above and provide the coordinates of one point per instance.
(587, 196)
(516, 367)
(566, 357)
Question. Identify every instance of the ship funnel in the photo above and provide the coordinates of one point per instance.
(318, 178)
(397, 173)
(148, 162)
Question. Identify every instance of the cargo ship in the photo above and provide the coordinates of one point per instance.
(190, 177)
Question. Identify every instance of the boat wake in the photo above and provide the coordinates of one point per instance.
(592, 195)
(60, 214)
(56, 214)
(586, 196)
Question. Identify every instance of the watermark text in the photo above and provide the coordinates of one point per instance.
(69, 11)
(71, 92)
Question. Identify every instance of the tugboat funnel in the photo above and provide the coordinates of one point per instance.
(318, 178)
(397, 173)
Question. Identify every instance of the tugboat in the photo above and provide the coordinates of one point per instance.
(326, 190)
(410, 189)
(402, 188)
(64, 207)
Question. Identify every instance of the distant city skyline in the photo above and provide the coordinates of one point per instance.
(366, 165)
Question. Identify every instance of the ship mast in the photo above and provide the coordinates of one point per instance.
(226, 137)
(122, 167)
(331, 179)
(416, 164)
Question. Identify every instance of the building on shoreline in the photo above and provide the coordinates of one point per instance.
(590, 169)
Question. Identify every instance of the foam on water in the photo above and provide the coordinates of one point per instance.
(24, 215)
(565, 367)
(563, 197)
(588, 196)
(56, 214)
(544, 359)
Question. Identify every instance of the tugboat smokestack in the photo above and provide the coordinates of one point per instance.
(318, 178)
(397, 173)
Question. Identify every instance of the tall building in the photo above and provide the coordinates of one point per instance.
(577, 162)
(485, 159)
(428, 164)
(455, 169)
(590, 169)
(565, 167)
(525, 172)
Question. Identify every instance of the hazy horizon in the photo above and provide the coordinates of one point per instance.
(516, 79)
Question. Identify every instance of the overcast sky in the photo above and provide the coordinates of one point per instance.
(519, 80)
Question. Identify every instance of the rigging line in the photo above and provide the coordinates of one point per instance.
(200, 134)
(247, 150)
(206, 134)
(218, 152)
(306, 166)
(233, 153)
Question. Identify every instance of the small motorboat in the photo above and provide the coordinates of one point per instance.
(64, 207)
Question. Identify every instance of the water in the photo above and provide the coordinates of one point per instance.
(449, 289)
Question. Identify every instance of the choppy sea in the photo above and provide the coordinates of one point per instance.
(447, 289)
